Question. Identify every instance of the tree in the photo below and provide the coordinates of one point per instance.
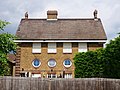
(6, 45)
(112, 55)
(3, 24)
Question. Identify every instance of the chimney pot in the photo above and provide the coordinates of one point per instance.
(26, 15)
(95, 15)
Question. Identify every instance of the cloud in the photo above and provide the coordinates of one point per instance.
(110, 16)
(13, 11)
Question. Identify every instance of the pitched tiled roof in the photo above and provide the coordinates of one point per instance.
(78, 29)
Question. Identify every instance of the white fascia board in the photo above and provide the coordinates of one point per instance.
(51, 19)
(17, 41)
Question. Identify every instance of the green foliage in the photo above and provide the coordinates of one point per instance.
(100, 63)
(4, 68)
(3, 24)
(112, 55)
(89, 64)
(6, 45)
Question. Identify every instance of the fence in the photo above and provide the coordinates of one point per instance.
(20, 83)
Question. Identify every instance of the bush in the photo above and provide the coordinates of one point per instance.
(99, 63)
(89, 64)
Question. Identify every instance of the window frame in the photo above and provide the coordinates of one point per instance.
(67, 66)
(34, 65)
(50, 75)
(52, 60)
(52, 47)
(36, 47)
(67, 47)
(36, 75)
(68, 75)
(82, 47)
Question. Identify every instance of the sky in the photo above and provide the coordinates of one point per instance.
(108, 11)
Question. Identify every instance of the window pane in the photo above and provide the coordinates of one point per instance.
(51, 63)
(36, 48)
(67, 47)
(67, 62)
(82, 47)
(68, 75)
(49, 75)
(52, 48)
(53, 75)
(36, 63)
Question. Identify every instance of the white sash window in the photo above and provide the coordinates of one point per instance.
(82, 47)
(52, 48)
(36, 48)
(67, 47)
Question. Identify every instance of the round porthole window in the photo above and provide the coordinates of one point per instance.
(51, 63)
(36, 63)
(67, 63)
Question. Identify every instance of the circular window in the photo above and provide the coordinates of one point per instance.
(67, 63)
(51, 63)
(36, 63)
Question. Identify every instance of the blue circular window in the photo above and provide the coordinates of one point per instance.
(51, 63)
(67, 63)
(36, 63)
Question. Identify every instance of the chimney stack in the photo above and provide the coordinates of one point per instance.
(26, 15)
(52, 15)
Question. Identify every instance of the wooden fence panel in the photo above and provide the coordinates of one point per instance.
(23, 83)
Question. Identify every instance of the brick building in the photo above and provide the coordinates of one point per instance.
(47, 46)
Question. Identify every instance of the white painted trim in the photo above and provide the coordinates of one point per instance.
(36, 75)
(52, 19)
(68, 75)
(17, 41)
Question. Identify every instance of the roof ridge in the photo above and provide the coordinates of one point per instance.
(61, 19)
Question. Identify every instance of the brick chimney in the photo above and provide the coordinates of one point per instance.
(52, 15)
